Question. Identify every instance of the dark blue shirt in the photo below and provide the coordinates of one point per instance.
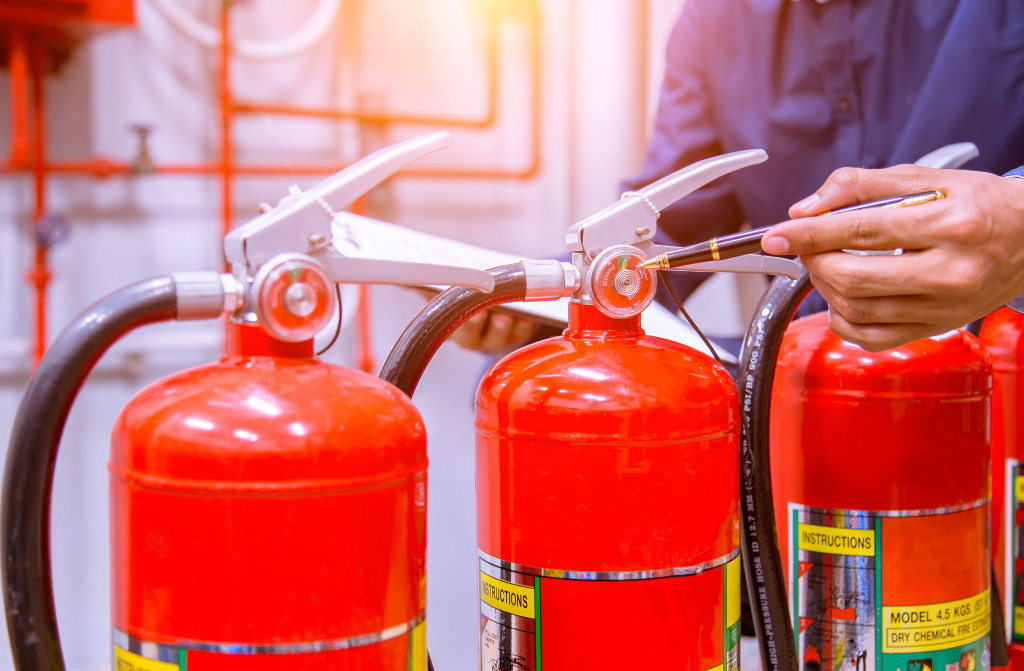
(868, 83)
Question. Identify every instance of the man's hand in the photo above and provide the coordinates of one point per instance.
(963, 255)
(492, 332)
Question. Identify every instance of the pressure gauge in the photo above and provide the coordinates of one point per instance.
(294, 297)
(618, 286)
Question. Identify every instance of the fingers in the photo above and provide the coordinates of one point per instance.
(936, 272)
(493, 332)
(869, 229)
(882, 302)
(505, 332)
(873, 229)
(877, 337)
(848, 186)
(470, 334)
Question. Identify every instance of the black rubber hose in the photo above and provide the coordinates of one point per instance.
(32, 455)
(439, 319)
(766, 584)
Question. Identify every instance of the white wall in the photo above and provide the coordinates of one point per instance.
(411, 57)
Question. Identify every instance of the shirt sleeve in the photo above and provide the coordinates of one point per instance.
(685, 132)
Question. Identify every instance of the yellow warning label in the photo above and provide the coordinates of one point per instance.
(506, 597)
(1018, 620)
(418, 647)
(129, 661)
(732, 603)
(815, 538)
(1018, 488)
(936, 626)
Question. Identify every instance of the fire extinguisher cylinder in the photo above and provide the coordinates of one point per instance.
(877, 482)
(269, 512)
(606, 496)
(1002, 334)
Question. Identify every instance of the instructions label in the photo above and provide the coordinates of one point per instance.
(854, 542)
(129, 661)
(509, 619)
(507, 597)
(935, 626)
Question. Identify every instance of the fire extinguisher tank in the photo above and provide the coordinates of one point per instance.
(607, 483)
(268, 512)
(880, 477)
(1002, 333)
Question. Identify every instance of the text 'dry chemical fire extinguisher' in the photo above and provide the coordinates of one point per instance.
(267, 511)
(607, 460)
(879, 473)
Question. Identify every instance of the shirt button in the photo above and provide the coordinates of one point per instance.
(845, 104)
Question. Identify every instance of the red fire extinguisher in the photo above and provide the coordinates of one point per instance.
(879, 474)
(1002, 334)
(884, 525)
(607, 463)
(607, 510)
(267, 511)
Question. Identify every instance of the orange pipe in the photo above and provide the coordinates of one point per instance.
(102, 167)
(367, 361)
(365, 358)
(365, 117)
(19, 75)
(225, 120)
(39, 276)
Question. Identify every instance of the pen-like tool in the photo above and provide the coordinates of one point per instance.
(748, 242)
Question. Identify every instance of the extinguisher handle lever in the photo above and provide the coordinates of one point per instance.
(402, 273)
(949, 156)
(761, 264)
(633, 219)
(301, 222)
